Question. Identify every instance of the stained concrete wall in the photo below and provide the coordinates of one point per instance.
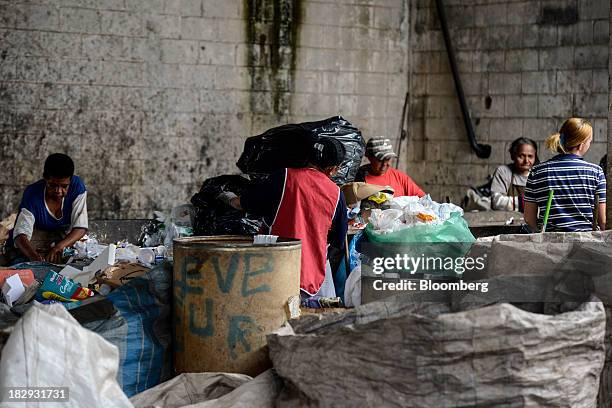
(151, 97)
(526, 66)
(609, 161)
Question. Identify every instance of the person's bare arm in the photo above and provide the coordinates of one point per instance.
(23, 244)
(235, 202)
(531, 215)
(230, 199)
(601, 216)
(55, 255)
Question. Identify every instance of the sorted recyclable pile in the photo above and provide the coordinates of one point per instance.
(408, 225)
(92, 269)
(120, 291)
(418, 220)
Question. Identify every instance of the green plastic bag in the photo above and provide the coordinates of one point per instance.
(455, 229)
(449, 240)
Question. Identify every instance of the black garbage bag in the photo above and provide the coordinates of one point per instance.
(151, 234)
(216, 218)
(289, 146)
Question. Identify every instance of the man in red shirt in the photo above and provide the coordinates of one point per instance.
(380, 152)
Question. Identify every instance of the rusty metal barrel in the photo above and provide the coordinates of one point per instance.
(228, 295)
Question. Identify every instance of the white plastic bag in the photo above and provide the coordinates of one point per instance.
(128, 253)
(399, 203)
(352, 288)
(48, 348)
(386, 220)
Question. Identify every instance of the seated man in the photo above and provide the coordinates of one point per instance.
(50, 208)
(380, 152)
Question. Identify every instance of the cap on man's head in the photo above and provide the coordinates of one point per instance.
(380, 148)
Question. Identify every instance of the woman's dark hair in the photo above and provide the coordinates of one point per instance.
(58, 165)
(326, 152)
(514, 147)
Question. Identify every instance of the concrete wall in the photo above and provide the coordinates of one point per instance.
(151, 97)
(526, 66)
(609, 162)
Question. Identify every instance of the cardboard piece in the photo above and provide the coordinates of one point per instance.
(28, 295)
(358, 190)
(12, 289)
(122, 273)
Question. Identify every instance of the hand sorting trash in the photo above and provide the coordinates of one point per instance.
(406, 212)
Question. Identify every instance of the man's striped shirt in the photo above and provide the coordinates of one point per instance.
(576, 184)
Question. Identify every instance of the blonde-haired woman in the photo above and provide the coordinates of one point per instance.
(578, 186)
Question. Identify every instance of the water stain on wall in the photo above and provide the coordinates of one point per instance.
(272, 38)
(558, 15)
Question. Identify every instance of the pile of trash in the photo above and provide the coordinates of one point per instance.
(556, 360)
(164, 228)
(121, 291)
(96, 268)
(91, 268)
(124, 301)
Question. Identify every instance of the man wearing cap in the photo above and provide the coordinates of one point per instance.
(380, 152)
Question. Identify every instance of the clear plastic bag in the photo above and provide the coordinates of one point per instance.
(385, 221)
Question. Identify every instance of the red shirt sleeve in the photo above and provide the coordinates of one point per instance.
(411, 188)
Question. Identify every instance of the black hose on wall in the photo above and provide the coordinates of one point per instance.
(482, 151)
